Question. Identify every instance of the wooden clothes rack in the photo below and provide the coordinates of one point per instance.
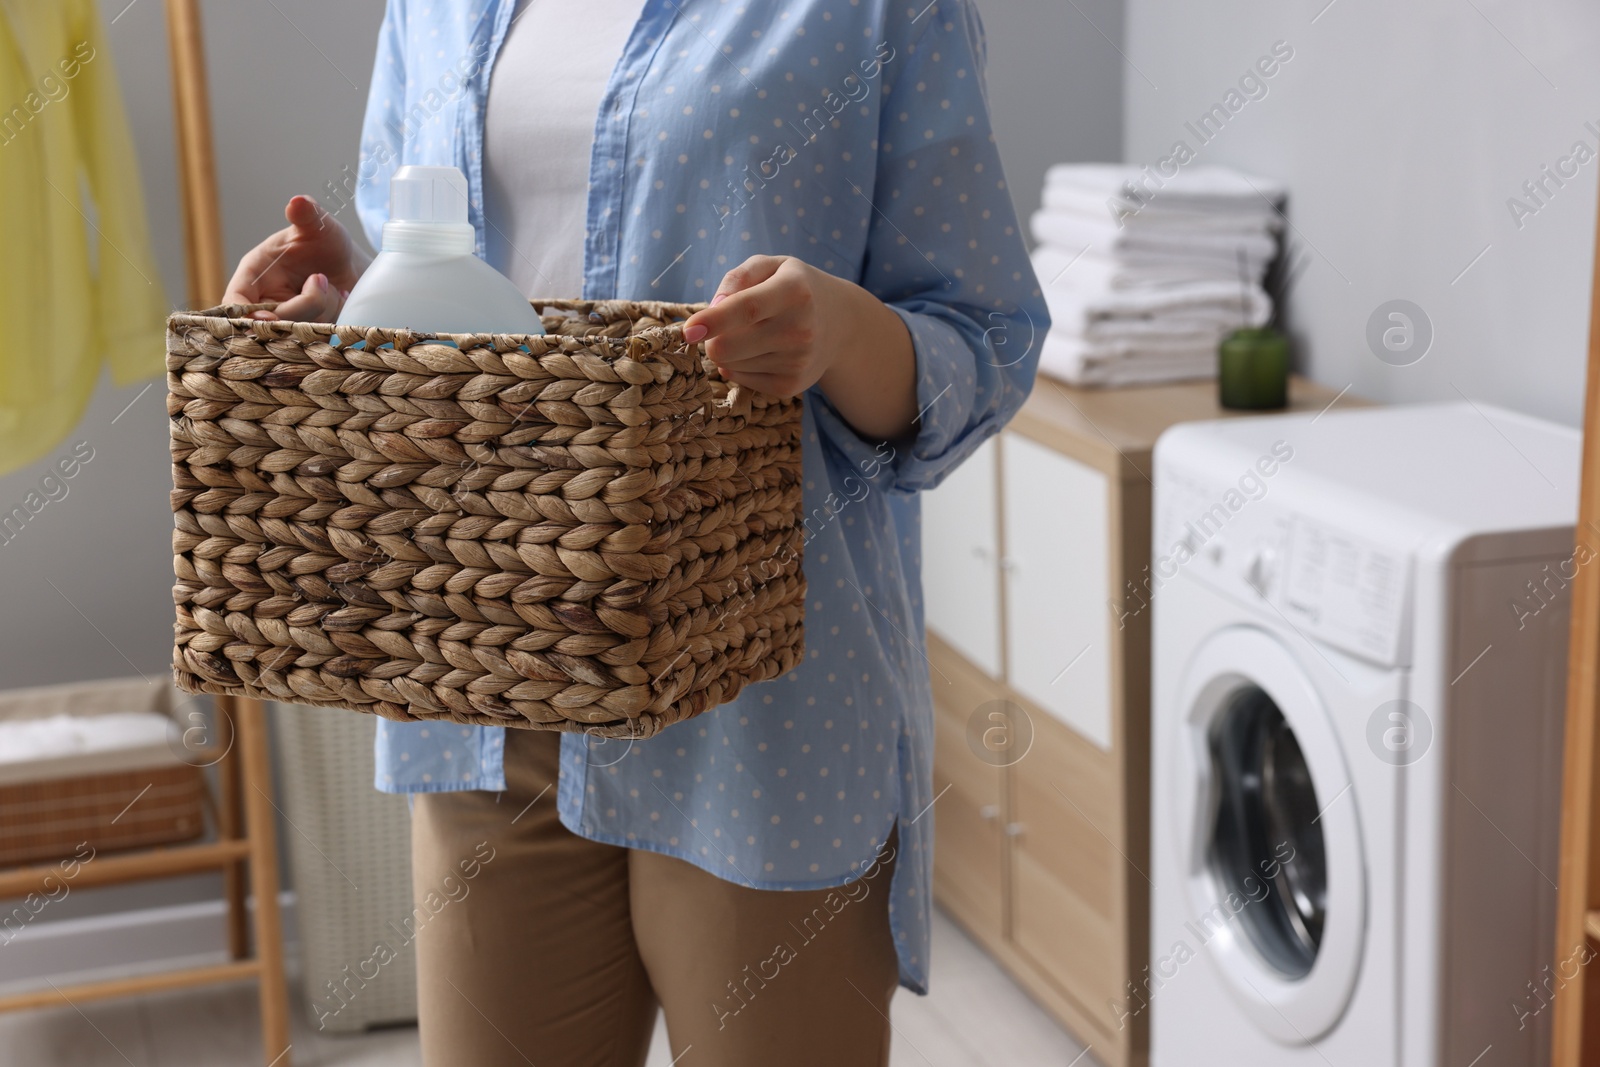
(1576, 1038)
(246, 837)
(246, 844)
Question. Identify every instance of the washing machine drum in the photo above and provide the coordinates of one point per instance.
(1266, 843)
(1276, 875)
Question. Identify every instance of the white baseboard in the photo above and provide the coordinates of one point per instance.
(123, 943)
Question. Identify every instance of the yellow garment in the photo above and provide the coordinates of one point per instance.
(78, 284)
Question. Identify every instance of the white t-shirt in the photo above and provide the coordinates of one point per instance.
(539, 132)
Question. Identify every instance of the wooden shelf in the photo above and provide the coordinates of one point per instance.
(129, 867)
(238, 971)
(246, 816)
(247, 839)
(1116, 429)
(1575, 1040)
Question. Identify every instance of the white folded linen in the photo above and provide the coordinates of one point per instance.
(1178, 306)
(1091, 270)
(1069, 360)
(1144, 275)
(1148, 335)
(1120, 377)
(1161, 214)
(53, 736)
(1075, 231)
(1196, 185)
(1101, 349)
(1171, 309)
(1077, 362)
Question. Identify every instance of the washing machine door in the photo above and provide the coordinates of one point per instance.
(1275, 869)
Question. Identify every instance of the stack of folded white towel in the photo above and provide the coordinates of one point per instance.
(1144, 274)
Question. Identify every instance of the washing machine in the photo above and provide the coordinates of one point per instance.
(1360, 640)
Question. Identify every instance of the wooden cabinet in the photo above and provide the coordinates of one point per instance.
(1055, 567)
(1068, 915)
(963, 605)
(1035, 554)
(968, 831)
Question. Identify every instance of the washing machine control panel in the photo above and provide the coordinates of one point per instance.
(1347, 589)
(1327, 581)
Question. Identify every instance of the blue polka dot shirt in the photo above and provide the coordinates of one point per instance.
(855, 135)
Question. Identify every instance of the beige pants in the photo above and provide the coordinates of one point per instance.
(542, 947)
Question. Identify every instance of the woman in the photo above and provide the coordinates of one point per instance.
(823, 173)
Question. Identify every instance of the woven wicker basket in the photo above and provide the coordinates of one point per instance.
(109, 799)
(587, 530)
(52, 819)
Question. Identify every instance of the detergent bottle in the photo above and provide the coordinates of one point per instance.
(426, 277)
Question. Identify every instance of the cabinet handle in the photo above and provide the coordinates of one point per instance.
(989, 811)
(1014, 829)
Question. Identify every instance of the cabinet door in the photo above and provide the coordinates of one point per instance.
(960, 554)
(1057, 561)
(1067, 878)
(969, 849)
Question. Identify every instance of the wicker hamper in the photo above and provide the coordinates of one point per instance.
(586, 530)
(110, 799)
(350, 863)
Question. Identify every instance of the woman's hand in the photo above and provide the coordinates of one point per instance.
(309, 267)
(780, 325)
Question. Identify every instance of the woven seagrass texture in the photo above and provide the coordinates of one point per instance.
(52, 819)
(586, 530)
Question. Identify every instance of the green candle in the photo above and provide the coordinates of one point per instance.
(1253, 370)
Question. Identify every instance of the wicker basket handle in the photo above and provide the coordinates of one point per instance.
(664, 310)
(602, 318)
(633, 309)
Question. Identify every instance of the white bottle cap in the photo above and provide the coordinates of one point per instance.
(428, 212)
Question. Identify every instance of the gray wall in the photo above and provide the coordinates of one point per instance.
(1401, 131)
(1055, 87)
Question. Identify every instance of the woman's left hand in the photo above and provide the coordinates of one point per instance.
(767, 326)
(779, 325)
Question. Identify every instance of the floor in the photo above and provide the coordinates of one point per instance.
(975, 1017)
